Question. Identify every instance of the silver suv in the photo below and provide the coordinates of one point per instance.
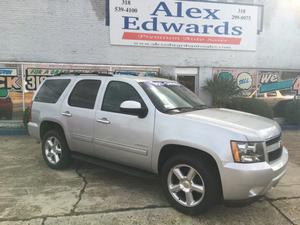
(158, 126)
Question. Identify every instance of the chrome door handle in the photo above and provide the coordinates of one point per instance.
(103, 120)
(67, 113)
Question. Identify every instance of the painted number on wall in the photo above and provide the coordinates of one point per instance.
(33, 82)
(296, 86)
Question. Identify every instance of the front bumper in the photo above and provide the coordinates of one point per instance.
(244, 181)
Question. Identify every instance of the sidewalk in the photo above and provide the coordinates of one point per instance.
(291, 139)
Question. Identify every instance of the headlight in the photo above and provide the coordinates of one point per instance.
(247, 152)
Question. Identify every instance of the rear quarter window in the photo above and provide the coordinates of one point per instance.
(51, 90)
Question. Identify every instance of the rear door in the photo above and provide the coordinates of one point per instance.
(120, 137)
(78, 112)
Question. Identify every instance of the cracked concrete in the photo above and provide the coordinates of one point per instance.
(81, 192)
(31, 193)
(292, 141)
(290, 208)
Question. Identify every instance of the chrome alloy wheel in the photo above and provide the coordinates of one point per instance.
(186, 185)
(53, 150)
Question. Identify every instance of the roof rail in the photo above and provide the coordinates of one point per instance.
(96, 73)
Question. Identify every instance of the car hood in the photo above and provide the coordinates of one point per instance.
(255, 128)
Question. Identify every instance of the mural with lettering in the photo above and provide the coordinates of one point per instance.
(10, 93)
(261, 83)
(296, 86)
(35, 76)
(247, 79)
(9, 81)
(269, 81)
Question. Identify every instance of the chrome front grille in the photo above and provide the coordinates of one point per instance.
(273, 140)
(274, 148)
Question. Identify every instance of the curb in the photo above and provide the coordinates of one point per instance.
(290, 127)
(13, 131)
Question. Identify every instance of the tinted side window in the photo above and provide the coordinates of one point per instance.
(84, 94)
(51, 90)
(116, 93)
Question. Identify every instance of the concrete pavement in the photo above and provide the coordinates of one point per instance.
(31, 193)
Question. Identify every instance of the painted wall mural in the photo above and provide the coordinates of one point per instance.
(10, 93)
(270, 81)
(35, 76)
(9, 81)
(247, 79)
(256, 83)
(296, 85)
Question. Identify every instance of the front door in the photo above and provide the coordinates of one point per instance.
(119, 137)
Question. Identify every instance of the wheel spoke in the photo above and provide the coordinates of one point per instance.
(49, 143)
(191, 174)
(175, 188)
(58, 150)
(178, 173)
(55, 142)
(56, 158)
(49, 154)
(197, 188)
(189, 198)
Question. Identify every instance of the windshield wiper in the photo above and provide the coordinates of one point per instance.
(200, 107)
(178, 108)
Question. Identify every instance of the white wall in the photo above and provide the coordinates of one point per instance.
(74, 31)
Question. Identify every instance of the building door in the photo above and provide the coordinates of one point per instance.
(188, 77)
(188, 81)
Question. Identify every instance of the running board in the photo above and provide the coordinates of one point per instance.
(114, 166)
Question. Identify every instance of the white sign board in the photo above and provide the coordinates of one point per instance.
(183, 24)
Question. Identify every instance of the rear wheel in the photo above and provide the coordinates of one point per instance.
(190, 184)
(55, 150)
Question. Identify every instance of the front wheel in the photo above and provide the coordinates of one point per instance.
(189, 184)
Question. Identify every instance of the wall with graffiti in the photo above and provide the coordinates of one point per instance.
(10, 93)
(262, 83)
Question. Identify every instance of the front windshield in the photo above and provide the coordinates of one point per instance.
(171, 97)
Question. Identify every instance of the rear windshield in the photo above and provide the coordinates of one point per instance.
(51, 90)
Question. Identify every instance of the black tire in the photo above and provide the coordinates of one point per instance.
(65, 158)
(209, 178)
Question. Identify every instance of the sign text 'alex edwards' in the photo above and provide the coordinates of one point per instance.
(183, 24)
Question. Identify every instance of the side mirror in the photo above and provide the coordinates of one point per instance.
(133, 108)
